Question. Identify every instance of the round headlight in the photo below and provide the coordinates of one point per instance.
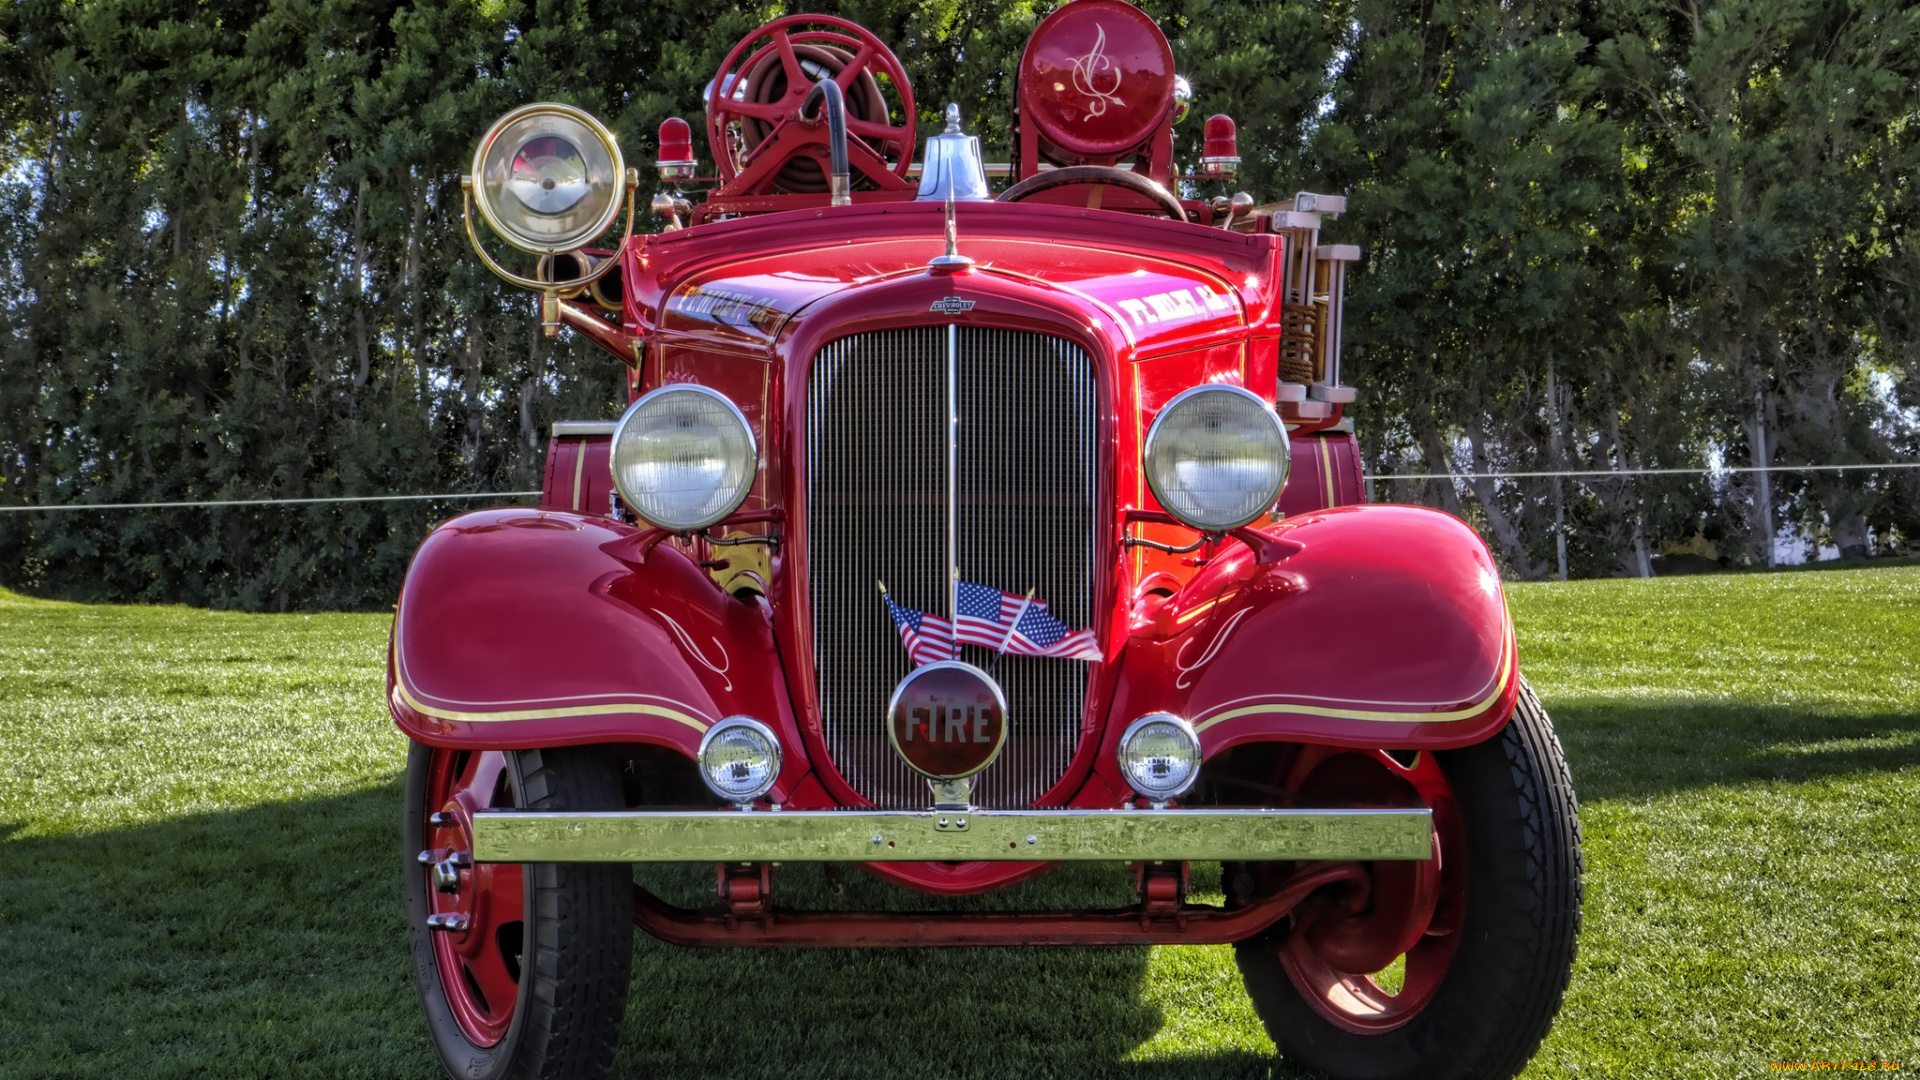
(683, 457)
(1216, 457)
(739, 759)
(1160, 756)
(547, 177)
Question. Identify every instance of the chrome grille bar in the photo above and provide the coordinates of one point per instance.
(1011, 499)
(953, 473)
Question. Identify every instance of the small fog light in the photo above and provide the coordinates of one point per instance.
(740, 759)
(1160, 756)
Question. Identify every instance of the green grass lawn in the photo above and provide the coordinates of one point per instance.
(199, 865)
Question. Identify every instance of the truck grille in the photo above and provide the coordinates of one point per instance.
(877, 475)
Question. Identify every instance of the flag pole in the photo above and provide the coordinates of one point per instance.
(887, 601)
(1011, 627)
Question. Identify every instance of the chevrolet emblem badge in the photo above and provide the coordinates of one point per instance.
(951, 305)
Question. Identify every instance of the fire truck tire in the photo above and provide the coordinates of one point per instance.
(577, 944)
(1509, 971)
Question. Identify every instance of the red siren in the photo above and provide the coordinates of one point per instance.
(1220, 153)
(676, 150)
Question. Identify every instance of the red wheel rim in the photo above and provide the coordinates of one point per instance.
(479, 963)
(867, 141)
(1335, 957)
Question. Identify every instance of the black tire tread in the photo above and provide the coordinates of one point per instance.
(1510, 975)
(584, 924)
(1544, 943)
(579, 966)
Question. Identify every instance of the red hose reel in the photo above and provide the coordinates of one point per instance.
(759, 141)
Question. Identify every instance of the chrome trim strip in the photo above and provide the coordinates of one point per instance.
(577, 428)
(579, 474)
(922, 835)
(953, 483)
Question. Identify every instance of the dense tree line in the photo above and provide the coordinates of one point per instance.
(1605, 236)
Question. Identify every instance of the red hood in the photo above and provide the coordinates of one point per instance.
(1118, 265)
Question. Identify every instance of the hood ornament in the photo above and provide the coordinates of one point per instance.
(952, 262)
(956, 165)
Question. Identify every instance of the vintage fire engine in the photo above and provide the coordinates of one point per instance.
(959, 534)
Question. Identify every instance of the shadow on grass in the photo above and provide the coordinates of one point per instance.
(270, 942)
(263, 942)
(1039, 1012)
(1631, 750)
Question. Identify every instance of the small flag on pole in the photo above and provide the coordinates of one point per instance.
(927, 637)
(1038, 633)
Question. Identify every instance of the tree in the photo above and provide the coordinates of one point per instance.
(1610, 235)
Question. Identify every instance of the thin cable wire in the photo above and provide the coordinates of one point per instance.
(276, 502)
(1376, 477)
(1605, 473)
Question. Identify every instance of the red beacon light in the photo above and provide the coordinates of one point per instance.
(676, 150)
(1220, 153)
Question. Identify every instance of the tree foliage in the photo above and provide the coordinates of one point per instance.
(1601, 236)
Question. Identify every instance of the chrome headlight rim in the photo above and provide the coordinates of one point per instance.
(577, 238)
(1159, 796)
(1169, 411)
(634, 410)
(721, 728)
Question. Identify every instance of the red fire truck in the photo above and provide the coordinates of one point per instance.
(967, 519)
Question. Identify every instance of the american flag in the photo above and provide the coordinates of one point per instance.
(1038, 633)
(986, 614)
(927, 637)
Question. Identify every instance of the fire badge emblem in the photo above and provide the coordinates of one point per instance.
(947, 721)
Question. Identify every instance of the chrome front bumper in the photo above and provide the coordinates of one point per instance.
(961, 836)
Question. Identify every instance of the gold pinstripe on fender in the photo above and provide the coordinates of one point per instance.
(611, 708)
(1500, 685)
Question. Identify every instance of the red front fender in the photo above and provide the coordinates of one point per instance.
(1387, 628)
(519, 628)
